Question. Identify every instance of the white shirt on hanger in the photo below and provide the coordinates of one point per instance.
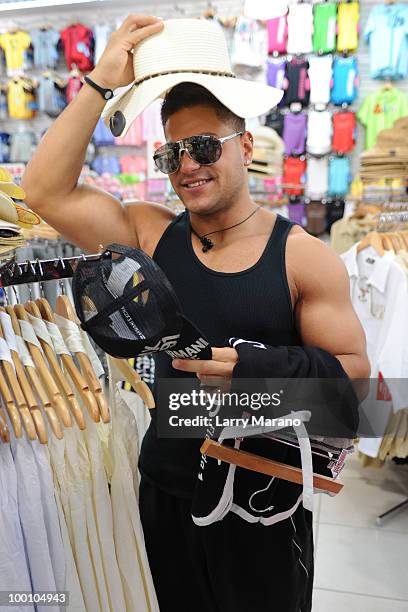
(379, 293)
(300, 28)
(317, 178)
(319, 132)
(320, 76)
(14, 573)
(32, 519)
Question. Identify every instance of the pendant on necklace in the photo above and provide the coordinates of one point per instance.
(207, 244)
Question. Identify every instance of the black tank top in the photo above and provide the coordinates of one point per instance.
(254, 304)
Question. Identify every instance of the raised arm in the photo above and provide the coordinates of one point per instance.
(83, 214)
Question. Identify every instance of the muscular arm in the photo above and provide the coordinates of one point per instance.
(83, 214)
(324, 313)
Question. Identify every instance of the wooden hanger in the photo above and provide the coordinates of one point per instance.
(60, 378)
(10, 407)
(41, 365)
(65, 309)
(4, 430)
(80, 383)
(372, 239)
(134, 380)
(255, 463)
(14, 385)
(37, 386)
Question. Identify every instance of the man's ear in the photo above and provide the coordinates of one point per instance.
(248, 143)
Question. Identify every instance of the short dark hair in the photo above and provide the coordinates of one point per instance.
(188, 95)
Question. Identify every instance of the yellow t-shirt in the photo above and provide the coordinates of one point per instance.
(347, 23)
(20, 100)
(14, 45)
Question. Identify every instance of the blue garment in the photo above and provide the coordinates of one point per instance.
(45, 47)
(51, 99)
(102, 135)
(106, 164)
(387, 34)
(339, 176)
(345, 72)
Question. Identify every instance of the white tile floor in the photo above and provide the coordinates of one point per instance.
(361, 567)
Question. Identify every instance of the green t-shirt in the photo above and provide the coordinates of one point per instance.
(324, 35)
(380, 110)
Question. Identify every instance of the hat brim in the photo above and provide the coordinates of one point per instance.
(12, 190)
(244, 98)
(8, 211)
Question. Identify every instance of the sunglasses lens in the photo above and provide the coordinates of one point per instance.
(167, 159)
(204, 149)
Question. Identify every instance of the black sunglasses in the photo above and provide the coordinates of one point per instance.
(205, 150)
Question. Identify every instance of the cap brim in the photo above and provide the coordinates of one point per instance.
(12, 190)
(192, 343)
(244, 98)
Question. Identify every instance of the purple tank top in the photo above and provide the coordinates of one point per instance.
(294, 133)
(276, 73)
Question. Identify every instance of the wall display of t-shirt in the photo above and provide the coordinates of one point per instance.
(312, 58)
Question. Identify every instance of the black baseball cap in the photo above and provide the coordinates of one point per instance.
(128, 306)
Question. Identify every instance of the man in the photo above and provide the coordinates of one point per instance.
(238, 270)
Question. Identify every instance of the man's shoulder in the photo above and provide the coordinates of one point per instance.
(311, 262)
(149, 220)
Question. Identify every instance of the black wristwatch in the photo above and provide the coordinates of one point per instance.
(107, 94)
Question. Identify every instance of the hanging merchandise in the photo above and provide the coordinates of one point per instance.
(344, 132)
(345, 80)
(277, 34)
(386, 34)
(300, 28)
(250, 44)
(294, 169)
(275, 72)
(51, 94)
(102, 33)
(20, 98)
(348, 16)
(74, 85)
(319, 132)
(4, 147)
(78, 44)
(22, 145)
(294, 133)
(102, 135)
(15, 44)
(339, 176)
(275, 120)
(106, 164)
(297, 85)
(320, 76)
(317, 178)
(134, 136)
(324, 33)
(45, 41)
(380, 110)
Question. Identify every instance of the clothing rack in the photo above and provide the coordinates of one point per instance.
(387, 219)
(14, 273)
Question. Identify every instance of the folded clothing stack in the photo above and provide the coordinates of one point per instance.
(389, 157)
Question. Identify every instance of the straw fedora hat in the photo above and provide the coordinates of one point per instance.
(193, 51)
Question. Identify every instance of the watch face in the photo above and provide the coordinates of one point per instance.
(108, 94)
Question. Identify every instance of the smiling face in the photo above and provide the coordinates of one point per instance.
(205, 189)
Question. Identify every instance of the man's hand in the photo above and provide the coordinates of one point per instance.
(214, 372)
(115, 68)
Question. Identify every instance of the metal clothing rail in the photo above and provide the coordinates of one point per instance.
(387, 219)
(15, 273)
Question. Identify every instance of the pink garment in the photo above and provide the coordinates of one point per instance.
(133, 164)
(73, 87)
(277, 34)
(134, 137)
(152, 125)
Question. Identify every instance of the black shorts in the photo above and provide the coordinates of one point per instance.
(228, 566)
